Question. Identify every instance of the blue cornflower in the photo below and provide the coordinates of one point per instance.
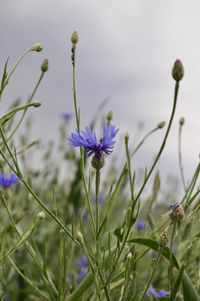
(140, 225)
(156, 293)
(89, 142)
(7, 182)
(67, 115)
(83, 266)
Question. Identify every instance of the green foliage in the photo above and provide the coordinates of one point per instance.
(72, 232)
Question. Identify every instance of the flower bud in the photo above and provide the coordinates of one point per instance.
(41, 215)
(45, 66)
(37, 47)
(98, 162)
(126, 137)
(161, 125)
(109, 116)
(164, 237)
(177, 71)
(74, 38)
(36, 104)
(79, 237)
(182, 121)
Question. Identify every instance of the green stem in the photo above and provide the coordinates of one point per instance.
(180, 158)
(31, 251)
(158, 257)
(17, 64)
(150, 171)
(77, 114)
(28, 280)
(28, 101)
(171, 253)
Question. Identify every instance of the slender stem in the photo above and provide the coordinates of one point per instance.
(180, 158)
(28, 280)
(77, 114)
(17, 63)
(171, 253)
(158, 257)
(74, 88)
(150, 171)
(28, 246)
(97, 201)
(28, 101)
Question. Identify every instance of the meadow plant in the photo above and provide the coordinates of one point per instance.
(92, 233)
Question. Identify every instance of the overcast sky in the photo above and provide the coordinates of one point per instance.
(125, 52)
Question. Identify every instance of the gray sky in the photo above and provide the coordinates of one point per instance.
(126, 51)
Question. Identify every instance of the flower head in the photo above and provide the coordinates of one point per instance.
(83, 266)
(176, 212)
(88, 140)
(140, 225)
(156, 293)
(7, 182)
(66, 116)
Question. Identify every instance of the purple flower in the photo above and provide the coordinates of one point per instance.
(156, 293)
(82, 264)
(7, 182)
(89, 142)
(66, 116)
(140, 225)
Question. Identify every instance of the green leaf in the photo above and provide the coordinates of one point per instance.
(177, 284)
(152, 244)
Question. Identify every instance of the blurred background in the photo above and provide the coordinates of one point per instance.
(125, 53)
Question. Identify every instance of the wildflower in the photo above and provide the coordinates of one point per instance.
(164, 237)
(66, 116)
(7, 182)
(140, 225)
(176, 212)
(157, 294)
(98, 148)
(83, 266)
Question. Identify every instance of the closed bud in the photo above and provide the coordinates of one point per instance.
(109, 116)
(182, 121)
(37, 47)
(79, 237)
(36, 104)
(41, 215)
(126, 136)
(164, 237)
(74, 38)
(98, 162)
(177, 71)
(45, 66)
(161, 125)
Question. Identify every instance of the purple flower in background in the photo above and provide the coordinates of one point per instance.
(66, 116)
(140, 225)
(83, 266)
(7, 182)
(156, 293)
(89, 142)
